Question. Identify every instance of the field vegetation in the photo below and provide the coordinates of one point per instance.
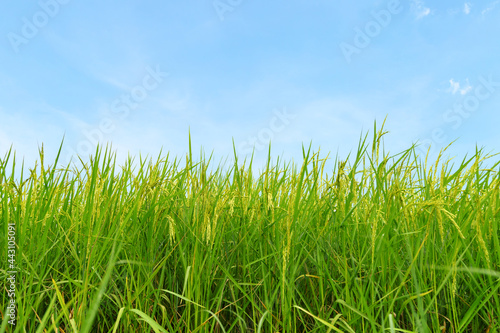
(381, 243)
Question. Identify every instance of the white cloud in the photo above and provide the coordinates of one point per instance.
(455, 87)
(490, 7)
(419, 9)
(467, 6)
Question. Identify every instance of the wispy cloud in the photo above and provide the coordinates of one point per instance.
(490, 7)
(455, 87)
(467, 7)
(418, 7)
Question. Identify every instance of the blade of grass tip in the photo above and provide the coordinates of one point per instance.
(392, 328)
(120, 314)
(261, 322)
(89, 320)
(154, 325)
(190, 152)
(183, 298)
(299, 186)
(217, 319)
(354, 310)
(186, 280)
(346, 325)
(236, 174)
(324, 322)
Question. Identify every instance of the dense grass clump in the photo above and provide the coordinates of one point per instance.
(384, 243)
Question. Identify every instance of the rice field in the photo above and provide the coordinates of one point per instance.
(381, 243)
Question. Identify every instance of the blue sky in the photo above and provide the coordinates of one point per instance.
(141, 74)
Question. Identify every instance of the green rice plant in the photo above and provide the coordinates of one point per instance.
(380, 243)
